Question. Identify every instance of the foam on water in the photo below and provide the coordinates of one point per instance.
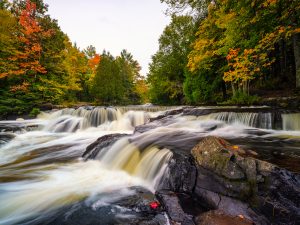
(63, 185)
(41, 170)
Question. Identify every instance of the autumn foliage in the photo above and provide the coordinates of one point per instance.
(30, 37)
(39, 64)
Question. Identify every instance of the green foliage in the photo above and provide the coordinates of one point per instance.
(200, 88)
(240, 98)
(34, 112)
(166, 73)
(115, 80)
(239, 41)
(39, 64)
(105, 83)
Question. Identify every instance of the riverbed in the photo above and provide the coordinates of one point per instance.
(45, 180)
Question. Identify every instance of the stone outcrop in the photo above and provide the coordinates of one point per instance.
(231, 185)
(230, 180)
(229, 171)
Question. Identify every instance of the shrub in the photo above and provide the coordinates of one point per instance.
(34, 112)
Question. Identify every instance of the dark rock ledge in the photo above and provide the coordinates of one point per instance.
(230, 188)
(216, 183)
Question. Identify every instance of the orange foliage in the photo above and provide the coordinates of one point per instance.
(23, 87)
(93, 62)
(30, 38)
(242, 66)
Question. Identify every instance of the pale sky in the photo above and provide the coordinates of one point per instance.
(113, 25)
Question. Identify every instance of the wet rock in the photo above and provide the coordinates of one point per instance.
(168, 113)
(132, 209)
(93, 149)
(180, 176)
(217, 217)
(46, 106)
(173, 208)
(6, 137)
(226, 175)
(229, 206)
(11, 127)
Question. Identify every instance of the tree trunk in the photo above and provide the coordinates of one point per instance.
(233, 89)
(296, 45)
(224, 90)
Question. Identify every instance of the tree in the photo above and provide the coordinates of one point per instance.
(241, 41)
(8, 42)
(167, 69)
(90, 51)
(129, 72)
(103, 84)
(196, 8)
(29, 54)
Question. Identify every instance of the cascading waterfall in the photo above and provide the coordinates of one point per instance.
(71, 120)
(259, 120)
(93, 117)
(41, 172)
(148, 164)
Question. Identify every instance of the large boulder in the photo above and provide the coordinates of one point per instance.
(227, 172)
(223, 170)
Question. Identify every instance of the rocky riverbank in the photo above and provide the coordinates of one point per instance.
(210, 181)
(224, 184)
(232, 185)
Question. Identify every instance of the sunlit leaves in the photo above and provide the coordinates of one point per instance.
(30, 36)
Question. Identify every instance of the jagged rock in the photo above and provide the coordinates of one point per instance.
(226, 171)
(217, 217)
(11, 127)
(180, 176)
(173, 208)
(230, 206)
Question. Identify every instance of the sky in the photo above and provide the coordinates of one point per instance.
(113, 25)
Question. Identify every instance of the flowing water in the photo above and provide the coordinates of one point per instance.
(44, 178)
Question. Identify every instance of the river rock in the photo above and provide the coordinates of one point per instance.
(173, 208)
(180, 176)
(93, 149)
(226, 172)
(217, 217)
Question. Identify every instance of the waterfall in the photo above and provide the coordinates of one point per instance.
(148, 164)
(72, 120)
(42, 172)
(259, 120)
(291, 121)
(94, 117)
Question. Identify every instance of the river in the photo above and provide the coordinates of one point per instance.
(45, 180)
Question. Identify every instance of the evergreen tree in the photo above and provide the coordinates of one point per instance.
(167, 70)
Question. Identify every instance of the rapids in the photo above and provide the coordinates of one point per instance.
(42, 172)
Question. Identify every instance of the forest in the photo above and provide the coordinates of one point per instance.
(226, 51)
(212, 52)
(39, 65)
